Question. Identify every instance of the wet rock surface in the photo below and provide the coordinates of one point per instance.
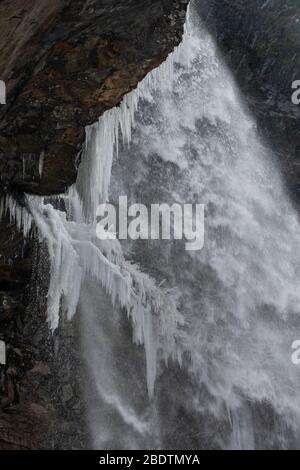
(41, 382)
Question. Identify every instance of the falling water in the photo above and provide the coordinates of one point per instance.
(183, 349)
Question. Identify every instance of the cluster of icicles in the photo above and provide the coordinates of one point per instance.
(76, 254)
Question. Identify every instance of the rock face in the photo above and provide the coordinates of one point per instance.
(41, 404)
(64, 63)
(261, 44)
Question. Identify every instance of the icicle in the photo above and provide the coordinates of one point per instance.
(152, 311)
(76, 254)
(17, 214)
(102, 138)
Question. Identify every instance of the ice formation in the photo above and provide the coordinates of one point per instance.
(17, 213)
(76, 254)
(102, 138)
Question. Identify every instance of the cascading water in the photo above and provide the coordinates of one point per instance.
(237, 388)
(216, 325)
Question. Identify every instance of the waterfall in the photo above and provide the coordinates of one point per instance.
(195, 141)
(183, 349)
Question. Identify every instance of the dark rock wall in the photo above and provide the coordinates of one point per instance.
(41, 383)
(64, 64)
(15, 273)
